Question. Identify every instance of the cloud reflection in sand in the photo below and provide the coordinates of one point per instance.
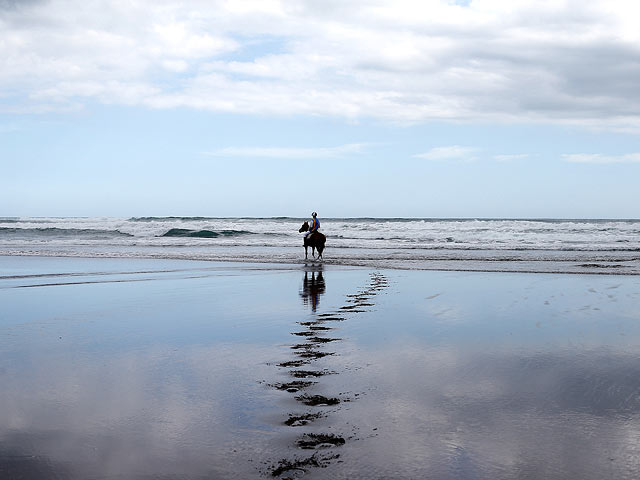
(513, 414)
(503, 386)
(136, 412)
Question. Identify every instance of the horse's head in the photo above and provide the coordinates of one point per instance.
(304, 227)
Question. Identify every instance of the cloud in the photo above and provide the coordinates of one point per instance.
(454, 152)
(289, 152)
(400, 61)
(597, 158)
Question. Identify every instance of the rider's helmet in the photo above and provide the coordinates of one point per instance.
(314, 214)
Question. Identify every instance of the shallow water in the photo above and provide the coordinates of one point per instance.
(121, 369)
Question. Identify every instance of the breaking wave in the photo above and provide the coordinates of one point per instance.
(183, 232)
(165, 219)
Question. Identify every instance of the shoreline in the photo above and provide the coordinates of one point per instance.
(591, 269)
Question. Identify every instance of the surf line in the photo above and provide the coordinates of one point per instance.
(316, 338)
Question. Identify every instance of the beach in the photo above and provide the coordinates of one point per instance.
(139, 368)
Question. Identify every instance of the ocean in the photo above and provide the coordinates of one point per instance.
(521, 245)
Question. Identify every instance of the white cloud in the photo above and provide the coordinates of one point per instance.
(598, 158)
(402, 61)
(453, 152)
(288, 152)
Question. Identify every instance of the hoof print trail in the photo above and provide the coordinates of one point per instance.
(313, 334)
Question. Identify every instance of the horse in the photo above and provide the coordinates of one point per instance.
(314, 240)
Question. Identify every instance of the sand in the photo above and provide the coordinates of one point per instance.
(142, 369)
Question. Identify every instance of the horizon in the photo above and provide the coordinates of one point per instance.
(285, 217)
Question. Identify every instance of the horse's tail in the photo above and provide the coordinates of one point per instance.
(320, 243)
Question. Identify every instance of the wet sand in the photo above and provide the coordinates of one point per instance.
(147, 369)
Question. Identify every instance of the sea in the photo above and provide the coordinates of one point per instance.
(509, 245)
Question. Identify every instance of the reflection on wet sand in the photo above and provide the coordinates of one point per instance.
(312, 288)
(315, 333)
(448, 376)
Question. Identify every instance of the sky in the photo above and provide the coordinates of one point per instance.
(374, 108)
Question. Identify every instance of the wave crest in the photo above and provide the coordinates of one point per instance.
(183, 232)
(63, 232)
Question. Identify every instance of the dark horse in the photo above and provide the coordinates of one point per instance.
(315, 240)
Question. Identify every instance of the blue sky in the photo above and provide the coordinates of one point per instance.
(371, 108)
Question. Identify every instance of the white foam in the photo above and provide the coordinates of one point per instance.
(406, 242)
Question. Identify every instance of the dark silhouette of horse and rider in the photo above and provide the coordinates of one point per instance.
(313, 288)
(313, 238)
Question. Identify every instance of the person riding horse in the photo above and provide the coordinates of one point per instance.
(313, 238)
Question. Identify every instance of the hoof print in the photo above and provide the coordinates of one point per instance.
(319, 440)
(317, 400)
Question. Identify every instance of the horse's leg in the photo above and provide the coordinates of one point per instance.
(305, 252)
(313, 251)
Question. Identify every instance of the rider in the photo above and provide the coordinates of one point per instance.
(313, 226)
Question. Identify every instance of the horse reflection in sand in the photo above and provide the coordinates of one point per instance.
(312, 287)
